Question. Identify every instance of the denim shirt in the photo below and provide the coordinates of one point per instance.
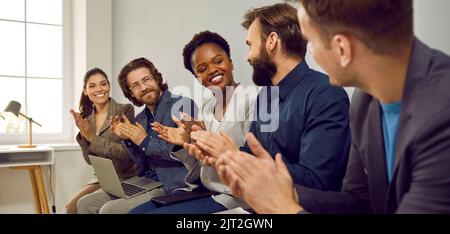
(311, 130)
(152, 155)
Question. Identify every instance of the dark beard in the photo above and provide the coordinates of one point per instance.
(263, 69)
(152, 101)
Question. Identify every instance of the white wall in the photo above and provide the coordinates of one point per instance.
(69, 173)
(432, 23)
(92, 41)
(89, 30)
(16, 194)
(159, 29)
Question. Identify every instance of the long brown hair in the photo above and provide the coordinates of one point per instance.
(86, 105)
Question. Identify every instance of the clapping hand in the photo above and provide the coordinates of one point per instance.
(176, 136)
(134, 132)
(209, 146)
(82, 124)
(264, 183)
(116, 122)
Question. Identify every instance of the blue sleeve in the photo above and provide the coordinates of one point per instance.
(325, 142)
(144, 143)
(137, 155)
(154, 146)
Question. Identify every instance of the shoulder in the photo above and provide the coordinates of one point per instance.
(439, 64)
(317, 75)
(174, 98)
(119, 108)
(320, 90)
(127, 108)
(182, 103)
(428, 75)
(439, 74)
(140, 115)
(427, 94)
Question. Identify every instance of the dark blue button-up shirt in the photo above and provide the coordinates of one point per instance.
(311, 130)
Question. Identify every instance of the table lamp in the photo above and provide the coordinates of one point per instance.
(14, 107)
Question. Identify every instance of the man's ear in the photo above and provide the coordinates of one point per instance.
(341, 45)
(272, 41)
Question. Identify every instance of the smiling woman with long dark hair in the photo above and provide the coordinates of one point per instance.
(96, 136)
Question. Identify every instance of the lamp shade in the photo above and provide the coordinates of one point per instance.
(13, 107)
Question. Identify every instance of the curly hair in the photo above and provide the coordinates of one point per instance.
(200, 39)
(134, 65)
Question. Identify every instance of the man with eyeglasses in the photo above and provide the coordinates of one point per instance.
(142, 84)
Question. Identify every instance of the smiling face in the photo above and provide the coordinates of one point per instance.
(212, 66)
(97, 89)
(143, 86)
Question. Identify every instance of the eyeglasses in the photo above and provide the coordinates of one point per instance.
(137, 85)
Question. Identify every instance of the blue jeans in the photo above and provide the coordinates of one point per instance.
(205, 205)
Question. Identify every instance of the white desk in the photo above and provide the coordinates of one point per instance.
(31, 160)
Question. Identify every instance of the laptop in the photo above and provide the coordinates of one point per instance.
(111, 184)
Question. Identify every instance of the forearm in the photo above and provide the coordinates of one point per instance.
(155, 147)
(137, 156)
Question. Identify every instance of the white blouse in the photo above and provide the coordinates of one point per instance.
(236, 122)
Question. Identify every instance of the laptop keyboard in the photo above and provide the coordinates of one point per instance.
(130, 189)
